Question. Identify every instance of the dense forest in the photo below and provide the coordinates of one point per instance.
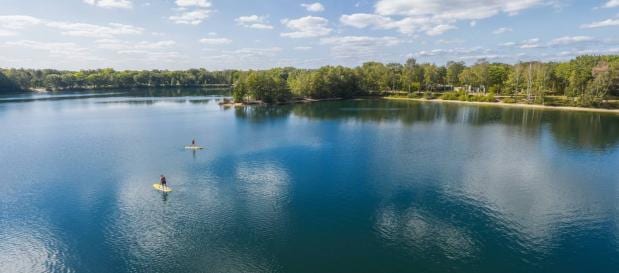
(7, 85)
(583, 81)
(49, 79)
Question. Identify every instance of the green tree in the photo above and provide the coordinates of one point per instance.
(53, 81)
(453, 72)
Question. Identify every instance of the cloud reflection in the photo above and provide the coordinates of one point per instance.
(424, 235)
(23, 249)
(528, 194)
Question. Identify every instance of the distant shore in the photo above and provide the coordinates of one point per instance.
(515, 105)
(230, 103)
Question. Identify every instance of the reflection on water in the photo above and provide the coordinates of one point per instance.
(343, 186)
(263, 113)
(263, 188)
(156, 101)
(423, 235)
(591, 131)
(121, 93)
(31, 250)
(179, 92)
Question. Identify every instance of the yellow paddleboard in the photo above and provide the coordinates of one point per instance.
(194, 147)
(158, 187)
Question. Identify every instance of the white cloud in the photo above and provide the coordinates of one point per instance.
(18, 21)
(254, 52)
(303, 48)
(314, 7)
(531, 43)
(94, 31)
(193, 3)
(453, 51)
(433, 52)
(561, 41)
(358, 47)
(501, 30)
(157, 57)
(439, 29)
(360, 41)
(465, 54)
(114, 44)
(193, 17)
(6, 33)
(570, 40)
(576, 53)
(215, 41)
(482, 57)
(254, 21)
(453, 9)
(259, 58)
(433, 17)
(612, 4)
(363, 20)
(605, 23)
(408, 25)
(306, 27)
(449, 42)
(124, 4)
(55, 49)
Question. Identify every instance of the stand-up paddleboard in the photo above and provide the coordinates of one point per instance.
(194, 147)
(158, 187)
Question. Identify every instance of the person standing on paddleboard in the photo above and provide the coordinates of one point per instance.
(163, 182)
(193, 142)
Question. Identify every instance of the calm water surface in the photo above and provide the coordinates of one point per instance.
(350, 186)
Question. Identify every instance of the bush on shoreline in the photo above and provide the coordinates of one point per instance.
(463, 96)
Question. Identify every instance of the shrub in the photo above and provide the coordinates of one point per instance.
(509, 100)
(415, 95)
(450, 96)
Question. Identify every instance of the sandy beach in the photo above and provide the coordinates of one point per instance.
(520, 105)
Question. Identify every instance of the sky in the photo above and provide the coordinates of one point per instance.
(252, 34)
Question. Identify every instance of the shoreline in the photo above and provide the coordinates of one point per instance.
(514, 105)
(92, 88)
(295, 101)
(496, 104)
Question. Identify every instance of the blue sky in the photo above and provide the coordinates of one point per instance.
(220, 34)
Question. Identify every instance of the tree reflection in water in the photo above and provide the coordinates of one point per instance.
(582, 130)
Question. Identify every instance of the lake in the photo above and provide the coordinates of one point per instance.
(341, 186)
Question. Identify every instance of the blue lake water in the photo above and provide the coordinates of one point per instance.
(344, 186)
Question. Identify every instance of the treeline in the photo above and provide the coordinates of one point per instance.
(280, 84)
(7, 85)
(586, 79)
(50, 79)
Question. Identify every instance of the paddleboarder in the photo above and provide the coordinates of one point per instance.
(163, 182)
